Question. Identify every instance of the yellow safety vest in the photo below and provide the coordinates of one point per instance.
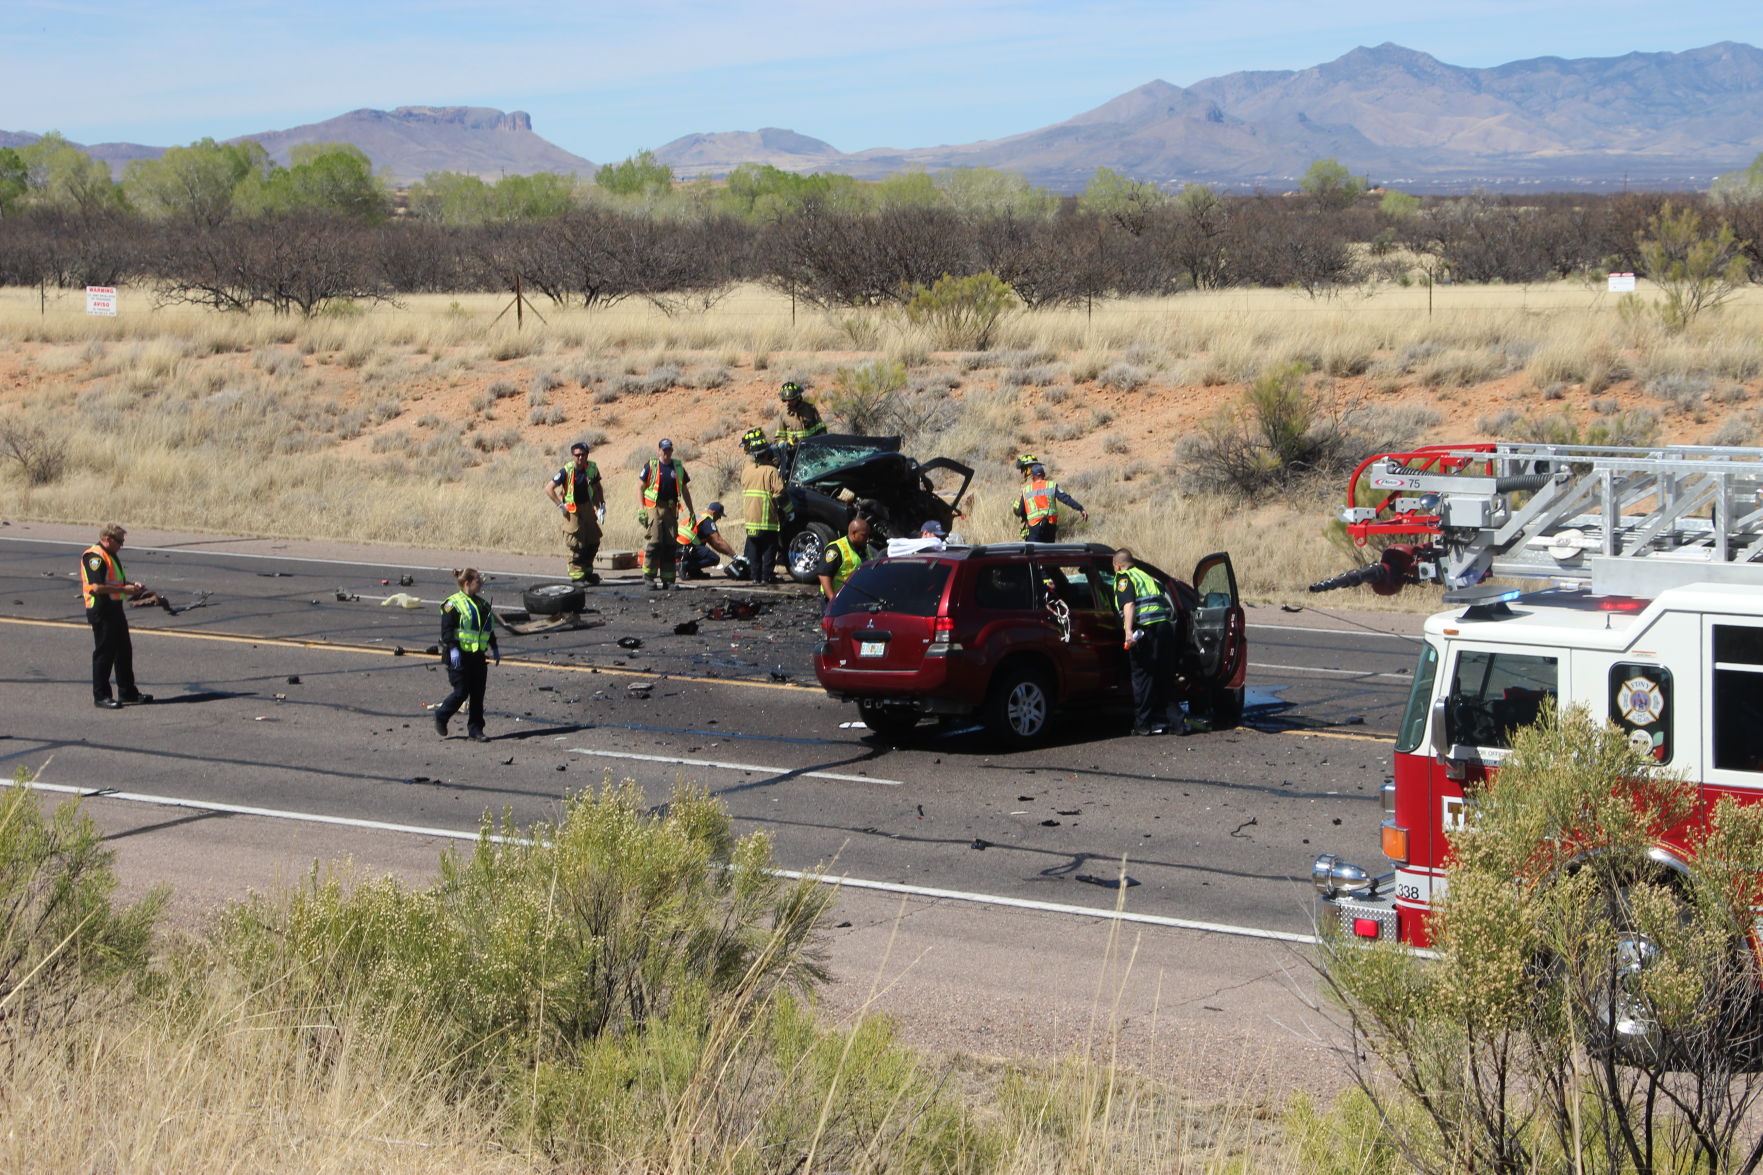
(652, 482)
(568, 471)
(1150, 604)
(475, 621)
(687, 535)
(1040, 503)
(849, 561)
(113, 573)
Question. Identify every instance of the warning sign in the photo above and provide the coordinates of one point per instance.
(1622, 283)
(101, 300)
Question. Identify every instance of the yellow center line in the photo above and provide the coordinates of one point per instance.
(376, 650)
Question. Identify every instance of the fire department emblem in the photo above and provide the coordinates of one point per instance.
(1641, 702)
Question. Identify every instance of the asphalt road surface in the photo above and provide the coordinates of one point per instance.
(295, 703)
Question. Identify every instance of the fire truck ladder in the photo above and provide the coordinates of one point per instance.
(1623, 521)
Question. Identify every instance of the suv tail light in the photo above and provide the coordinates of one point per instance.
(826, 625)
(942, 641)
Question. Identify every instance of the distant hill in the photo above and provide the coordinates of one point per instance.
(407, 143)
(1399, 115)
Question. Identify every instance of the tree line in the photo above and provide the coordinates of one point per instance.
(222, 225)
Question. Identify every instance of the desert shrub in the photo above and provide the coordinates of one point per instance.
(541, 940)
(502, 389)
(863, 396)
(961, 312)
(39, 455)
(1683, 391)
(1498, 1054)
(1123, 377)
(67, 953)
(551, 415)
(1620, 428)
(710, 378)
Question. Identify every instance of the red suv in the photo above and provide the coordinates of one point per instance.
(1016, 632)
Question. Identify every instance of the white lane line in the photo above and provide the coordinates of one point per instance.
(953, 895)
(1329, 672)
(739, 767)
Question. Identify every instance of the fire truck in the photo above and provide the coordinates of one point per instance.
(1636, 591)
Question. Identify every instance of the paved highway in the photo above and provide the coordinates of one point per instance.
(277, 695)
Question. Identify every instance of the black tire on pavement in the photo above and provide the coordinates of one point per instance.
(805, 550)
(890, 723)
(1019, 705)
(554, 599)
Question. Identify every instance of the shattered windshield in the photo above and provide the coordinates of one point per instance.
(820, 455)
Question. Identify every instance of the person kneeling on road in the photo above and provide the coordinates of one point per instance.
(701, 542)
(1147, 618)
(468, 629)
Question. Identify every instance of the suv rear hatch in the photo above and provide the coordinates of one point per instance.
(885, 630)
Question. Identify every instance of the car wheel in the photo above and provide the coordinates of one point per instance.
(554, 599)
(803, 556)
(1019, 708)
(891, 723)
(1227, 708)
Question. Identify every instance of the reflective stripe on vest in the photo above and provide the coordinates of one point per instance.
(473, 632)
(849, 561)
(113, 573)
(652, 482)
(688, 530)
(1040, 503)
(1150, 604)
(592, 473)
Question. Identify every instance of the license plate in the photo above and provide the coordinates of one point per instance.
(872, 648)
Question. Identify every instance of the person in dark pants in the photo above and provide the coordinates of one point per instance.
(1148, 623)
(764, 504)
(700, 542)
(665, 487)
(468, 630)
(577, 492)
(103, 587)
(1037, 507)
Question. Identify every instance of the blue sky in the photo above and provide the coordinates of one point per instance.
(607, 79)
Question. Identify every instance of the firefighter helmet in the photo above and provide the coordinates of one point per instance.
(790, 392)
(1025, 461)
(753, 440)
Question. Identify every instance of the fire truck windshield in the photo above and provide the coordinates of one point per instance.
(1413, 726)
(1494, 693)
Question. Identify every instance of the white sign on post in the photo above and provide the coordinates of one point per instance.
(101, 300)
(1622, 283)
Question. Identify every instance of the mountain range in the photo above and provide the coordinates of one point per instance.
(1395, 114)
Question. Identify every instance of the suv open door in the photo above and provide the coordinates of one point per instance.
(1218, 637)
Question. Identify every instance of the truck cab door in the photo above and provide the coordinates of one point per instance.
(1216, 629)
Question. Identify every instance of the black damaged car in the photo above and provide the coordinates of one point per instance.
(833, 478)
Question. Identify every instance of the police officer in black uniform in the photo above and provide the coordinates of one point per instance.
(103, 587)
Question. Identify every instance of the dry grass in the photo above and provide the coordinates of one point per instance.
(427, 424)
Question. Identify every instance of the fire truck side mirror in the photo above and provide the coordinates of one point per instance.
(1440, 741)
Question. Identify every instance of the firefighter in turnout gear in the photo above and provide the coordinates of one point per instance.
(468, 642)
(1037, 507)
(577, 493)
(1148, 622)
(765, 503)
(842, 557)
(665, 488)
(700, 542)
(103, 587)
(801, 418)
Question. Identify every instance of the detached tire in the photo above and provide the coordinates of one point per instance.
(1019, 706)
(890, 723)
(554, 599)
(805, 549)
